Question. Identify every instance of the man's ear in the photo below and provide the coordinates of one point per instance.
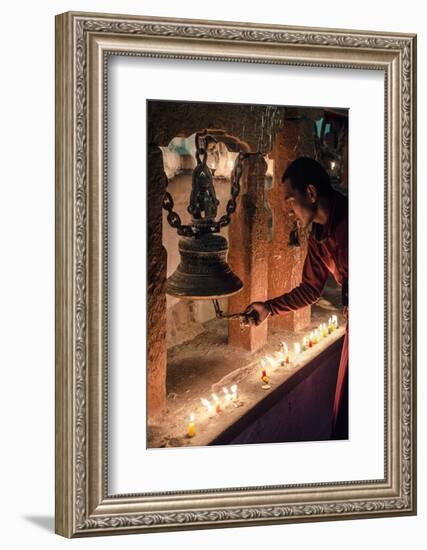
(311, 193)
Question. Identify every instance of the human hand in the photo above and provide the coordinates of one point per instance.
(256, 313)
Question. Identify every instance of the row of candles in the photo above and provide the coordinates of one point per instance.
(282, 358)
(230, 396)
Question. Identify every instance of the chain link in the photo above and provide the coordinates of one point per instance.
(235, 190)
(174, 218)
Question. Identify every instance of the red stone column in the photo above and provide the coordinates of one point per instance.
(248, 252)
(156, 296)
(295, 139)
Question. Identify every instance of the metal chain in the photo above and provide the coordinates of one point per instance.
(235, 190)
(189, 230)
(174, 218)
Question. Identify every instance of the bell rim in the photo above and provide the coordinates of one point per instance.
(171, 289)
(210, 297)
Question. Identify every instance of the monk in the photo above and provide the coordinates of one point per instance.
(308, 193)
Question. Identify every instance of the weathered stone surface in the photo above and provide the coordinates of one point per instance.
(181, 323)
(295, 139)
(156, 297)
(248, 255)
(255, 125)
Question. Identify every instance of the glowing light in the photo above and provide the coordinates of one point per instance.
(272, 363)
(217, 403)
(191, 426)
(227, 395)
(280, 357)
(209, 407)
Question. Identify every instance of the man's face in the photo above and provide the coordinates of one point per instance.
(303, 205)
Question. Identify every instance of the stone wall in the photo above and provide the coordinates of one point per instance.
(296, 138)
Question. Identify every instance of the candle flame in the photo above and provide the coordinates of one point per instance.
(215, 397)
(192, 417)
(297, 347)
(224, 389)
(271, 361)
(285, 347)
(262, 363)
(234, 388)
(205, 402)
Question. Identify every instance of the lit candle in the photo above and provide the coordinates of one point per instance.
(297, 348)
(217, 404)
(316, 337)
(209, 408)
(265, 380)
(227, 395)
(330, 326)
(234, 392)
(280, 358)
(310, 340)
(191, 426)
(304, 343)
(285, 352)
(324, 330)
(262, 365)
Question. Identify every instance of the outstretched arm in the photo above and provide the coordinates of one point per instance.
(314, 276)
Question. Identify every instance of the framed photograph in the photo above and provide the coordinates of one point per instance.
(235, 274)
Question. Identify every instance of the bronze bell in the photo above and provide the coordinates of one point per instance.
(203, 272)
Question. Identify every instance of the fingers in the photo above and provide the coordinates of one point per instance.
(253, 315)
(249, 318)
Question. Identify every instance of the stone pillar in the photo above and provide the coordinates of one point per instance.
(295, 139)
(156, 296)
(248, 252)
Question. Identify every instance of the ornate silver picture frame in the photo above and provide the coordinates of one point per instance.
(84, 42)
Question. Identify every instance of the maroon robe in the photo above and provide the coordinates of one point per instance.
(327, 253)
